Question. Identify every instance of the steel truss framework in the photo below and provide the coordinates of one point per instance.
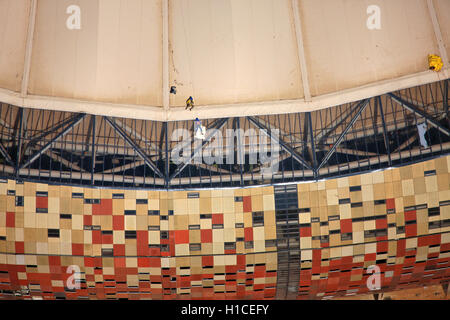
(81, 149)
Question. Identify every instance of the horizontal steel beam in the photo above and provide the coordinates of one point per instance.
(86, 176)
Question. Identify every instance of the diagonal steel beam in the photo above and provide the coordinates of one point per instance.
(414, 109)
(34, 140)
(218, 125)
(133, 145)
(75, 122)
(60, 159)
(137, 135)
(364, 104)
(93, 154)
(283, 144)
(6, 155)
(407, 142)
(325, 132)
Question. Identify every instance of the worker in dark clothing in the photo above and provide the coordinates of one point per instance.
(189, 103)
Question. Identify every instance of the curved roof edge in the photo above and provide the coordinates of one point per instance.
(157, 113)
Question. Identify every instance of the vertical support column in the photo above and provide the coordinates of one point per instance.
(19, 142)
(93, 150)
(313, 146)
(386, 140)
(239, 148)
(167, 161)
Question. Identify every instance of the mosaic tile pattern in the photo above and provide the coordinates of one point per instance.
(222, 244)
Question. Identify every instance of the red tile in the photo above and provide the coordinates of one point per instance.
(155, 262)
(154, 252)
(207, 261)
(181, 236)
(143, 262)
(87, 220)
(77, 249)
(97, 262)
(240, 261)
(411, 230)
(217, 218)
(206, 235)
(88, 262)
(107, 238)
(119, 250)
(143, 250)
(96, 237)
(370, 257)
(41, 202)
(247, 203)
(142, 237)
(119, 263)
(231, 269)
(401, 245)
(54, 260)
(390, 204)
(118, 222)
(410, 215)
(104, 208)
(10, 220)
(381, 223)
(305, 232)
(248, 234)
(382, 246)
(20, 247)
(346, 225)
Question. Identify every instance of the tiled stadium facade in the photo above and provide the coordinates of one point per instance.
(228, 243)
